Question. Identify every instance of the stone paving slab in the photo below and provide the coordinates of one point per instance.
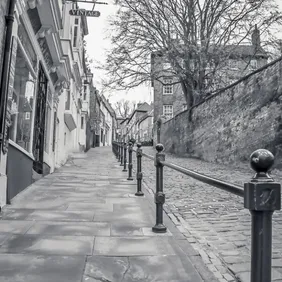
(70, 229)
(133, 246)
(138, 269)
(15, 227)
(90, 206)
(48, 245)
(39, 268)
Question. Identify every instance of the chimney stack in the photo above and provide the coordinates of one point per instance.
(256, 37)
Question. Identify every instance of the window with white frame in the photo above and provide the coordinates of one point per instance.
(168, 111)
(27, 115)
(254, 64)
(166, 66)
(168, 86)
(233, 64)
(75, 32)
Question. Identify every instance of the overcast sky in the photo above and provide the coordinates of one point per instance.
(97, 44)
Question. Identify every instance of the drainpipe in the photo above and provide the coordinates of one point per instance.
(6, 68)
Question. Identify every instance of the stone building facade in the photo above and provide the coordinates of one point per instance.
(145, 127)
(108, 123)
(169, 99)
(48, 93)
(132, 124)
(95, 118)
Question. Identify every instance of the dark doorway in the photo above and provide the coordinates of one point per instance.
(97, 141)
(39, 122)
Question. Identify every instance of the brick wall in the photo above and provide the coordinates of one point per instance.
(3, 9)
(231, 125)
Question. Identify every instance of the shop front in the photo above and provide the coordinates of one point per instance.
(30, 104)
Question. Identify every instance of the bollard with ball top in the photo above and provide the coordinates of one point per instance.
(159, 194)
(262, 196)
(119, 150)
(139, 174)
(124, 157)
(130, 166)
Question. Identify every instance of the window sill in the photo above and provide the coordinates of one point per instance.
(18, 147)
(166, 94)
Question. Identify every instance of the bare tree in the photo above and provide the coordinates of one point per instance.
(196, 37)
(124, 108)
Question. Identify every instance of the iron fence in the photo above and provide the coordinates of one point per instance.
(262, 196)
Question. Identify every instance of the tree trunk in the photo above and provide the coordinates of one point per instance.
(188, 93)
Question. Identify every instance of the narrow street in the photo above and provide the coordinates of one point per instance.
(83, 223)
(214, 221)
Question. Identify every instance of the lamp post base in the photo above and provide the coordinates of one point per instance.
(139, 193)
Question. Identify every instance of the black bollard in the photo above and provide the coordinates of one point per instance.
(262, 196)
(121, 153)
(159, 195)
(130, 165)
(116, 148)
(124, 157)
(139, 174)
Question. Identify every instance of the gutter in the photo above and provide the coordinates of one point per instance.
(6, 71)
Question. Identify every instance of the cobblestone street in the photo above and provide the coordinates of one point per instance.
(214, 221)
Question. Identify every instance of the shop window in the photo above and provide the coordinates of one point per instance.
(22, 100)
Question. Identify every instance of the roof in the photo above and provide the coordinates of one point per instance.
(108, 105)
(235, 51)
(142, 107)
(245, 51)
(147, 115)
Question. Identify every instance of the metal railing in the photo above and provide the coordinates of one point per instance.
(262, 196)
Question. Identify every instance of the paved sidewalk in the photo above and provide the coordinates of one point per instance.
(83, 223)
(214, 221)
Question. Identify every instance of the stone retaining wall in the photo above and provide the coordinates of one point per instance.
(232, 124)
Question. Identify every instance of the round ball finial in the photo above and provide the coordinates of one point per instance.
(159, 147)
(139, 145)
(261, 160)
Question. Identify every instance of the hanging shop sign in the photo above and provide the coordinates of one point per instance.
(86, 13)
